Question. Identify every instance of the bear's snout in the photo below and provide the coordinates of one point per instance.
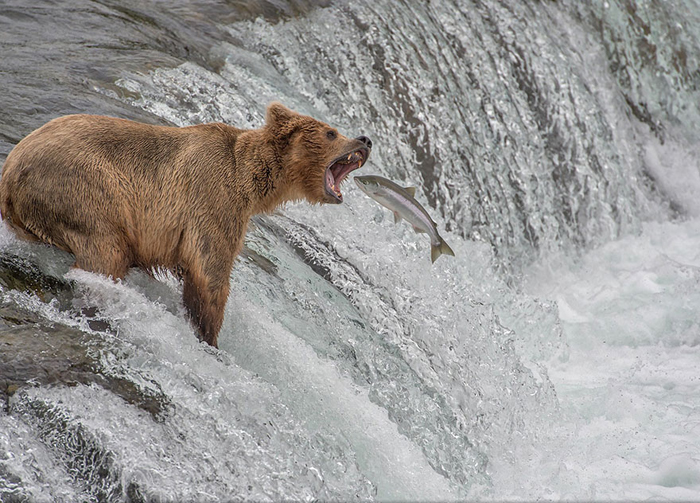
(365, 140)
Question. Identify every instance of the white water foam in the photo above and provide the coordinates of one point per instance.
(630, 391)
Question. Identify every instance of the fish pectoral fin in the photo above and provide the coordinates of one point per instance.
(397, 217)
(419, 230)
(411, 191)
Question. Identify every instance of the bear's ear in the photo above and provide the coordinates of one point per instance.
(278, 114)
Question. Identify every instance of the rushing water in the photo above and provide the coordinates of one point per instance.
(553, 357)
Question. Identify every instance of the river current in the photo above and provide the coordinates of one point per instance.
(554, 357)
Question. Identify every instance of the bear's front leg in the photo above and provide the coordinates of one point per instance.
(205, 291)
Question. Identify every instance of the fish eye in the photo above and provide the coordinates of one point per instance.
(331, 135)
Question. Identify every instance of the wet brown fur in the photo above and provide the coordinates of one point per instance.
(120, 194)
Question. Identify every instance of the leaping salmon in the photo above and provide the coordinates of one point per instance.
(400, 200)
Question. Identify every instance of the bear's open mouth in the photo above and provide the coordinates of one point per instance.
(340, 168)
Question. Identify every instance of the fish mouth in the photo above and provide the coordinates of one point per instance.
(339, 169)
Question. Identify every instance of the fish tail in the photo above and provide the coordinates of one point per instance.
(439, 249)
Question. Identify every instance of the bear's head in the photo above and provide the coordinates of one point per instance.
(315, 157)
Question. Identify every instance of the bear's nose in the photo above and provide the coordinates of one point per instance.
(365, 140)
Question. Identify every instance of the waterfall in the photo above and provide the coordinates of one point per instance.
(553, 142)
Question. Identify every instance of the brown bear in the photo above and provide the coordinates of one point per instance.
(119, 194)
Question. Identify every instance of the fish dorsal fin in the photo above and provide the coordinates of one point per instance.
(411, 191)
(397, 217)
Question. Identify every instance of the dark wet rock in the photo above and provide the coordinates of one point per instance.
(18, 273)
(85, 457)
(11, 490)
(38, 352)
(34, 353)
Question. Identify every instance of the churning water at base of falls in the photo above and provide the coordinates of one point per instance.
(629, 389)
(553, 357)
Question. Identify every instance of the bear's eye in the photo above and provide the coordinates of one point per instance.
(331, 135)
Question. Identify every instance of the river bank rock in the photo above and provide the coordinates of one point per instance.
(35, 351)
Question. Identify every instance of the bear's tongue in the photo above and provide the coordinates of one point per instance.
(338, 171)
(330, 183)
